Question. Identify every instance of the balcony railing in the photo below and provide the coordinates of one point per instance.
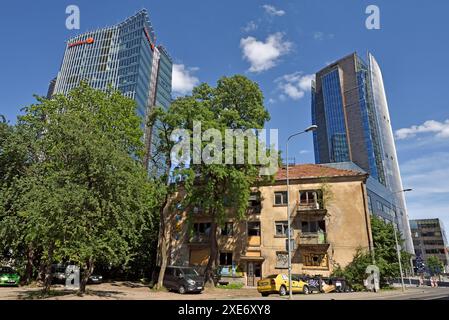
(199, 238)
(309, 205)
(254, 241)
(312, 238)
(254, 209)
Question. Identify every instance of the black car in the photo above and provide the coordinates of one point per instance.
(181, 279)
(59, 275)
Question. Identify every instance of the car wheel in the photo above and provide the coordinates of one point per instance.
(282, 291)
(264, 294)
(182, 290)
(306, 290)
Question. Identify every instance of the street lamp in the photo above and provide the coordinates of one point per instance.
(396, 236)
(289, 237)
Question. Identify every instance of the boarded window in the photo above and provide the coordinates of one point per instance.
(199, 257)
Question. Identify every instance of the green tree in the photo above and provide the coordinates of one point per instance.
(385, 255)
(220, 190)
(86, 197)
(435, 265)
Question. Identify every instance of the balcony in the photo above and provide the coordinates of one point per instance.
(254, 204)
(199, 239)
(310, 208)
(313, 240)
(254, 241)
(254, 210)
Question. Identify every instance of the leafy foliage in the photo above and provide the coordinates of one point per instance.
(235, 103)
(76, 189)
(435, 265)
(385, 256)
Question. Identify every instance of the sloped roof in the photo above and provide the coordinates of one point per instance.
(310, 171)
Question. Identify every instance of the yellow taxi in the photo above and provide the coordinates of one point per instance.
(278, 283)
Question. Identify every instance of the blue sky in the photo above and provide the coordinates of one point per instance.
(278, 44)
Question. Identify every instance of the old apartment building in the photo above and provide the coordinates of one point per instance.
(330, 221)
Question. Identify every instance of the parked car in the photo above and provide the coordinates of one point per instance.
(95, 279)
(59, 276)
(8, 277)
(278, 283)
(313, 283)
(181, 279)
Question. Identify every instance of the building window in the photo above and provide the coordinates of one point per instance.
(313, 226)
(254, 203)
(309, 199)
(280, 198)
(379, 205)
(201, 232)
(201, 228)
(225, 258)
(281, 260)
(228, 229)
(315, 260)
(253, 229)
(281, 228)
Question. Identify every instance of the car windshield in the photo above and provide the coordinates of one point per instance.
(190, 272)
(6, 270)
(272, 276)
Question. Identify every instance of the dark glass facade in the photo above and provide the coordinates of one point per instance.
(349, 107)
(125, 57)
(335, 118)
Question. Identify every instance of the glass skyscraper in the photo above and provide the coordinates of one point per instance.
(126, 57)
(349, 106)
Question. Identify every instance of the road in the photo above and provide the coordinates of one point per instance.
(136, 291)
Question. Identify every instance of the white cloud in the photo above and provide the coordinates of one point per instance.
(264, 55)
(182, 79)
(272, 11)
(441, 129)
(428, 176)
(250, 26)
(295, 85)
(319, 35)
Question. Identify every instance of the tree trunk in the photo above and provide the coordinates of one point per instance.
(164, 243)
(86, 274)
(48, 274)
(29, 266)
(209, 272)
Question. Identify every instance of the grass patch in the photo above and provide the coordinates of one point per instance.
(231, 286)
(389, 288)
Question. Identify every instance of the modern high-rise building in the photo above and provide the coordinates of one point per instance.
(126, 57)
(349, 106)
(429, 239)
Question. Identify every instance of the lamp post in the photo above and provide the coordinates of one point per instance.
(396, 237)
(289, 236)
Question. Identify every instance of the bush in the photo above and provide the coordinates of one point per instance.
(238, 285)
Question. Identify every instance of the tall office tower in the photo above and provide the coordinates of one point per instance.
(125, 57)
(349, 106)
